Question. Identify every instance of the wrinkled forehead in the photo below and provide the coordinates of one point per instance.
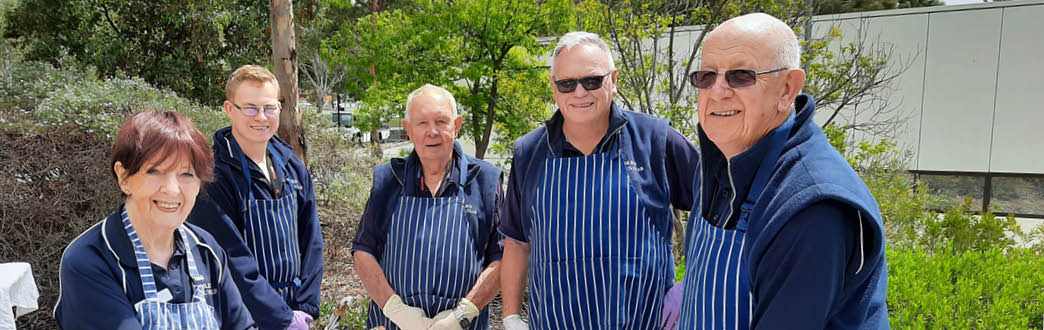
(431, 104)
(581, 60)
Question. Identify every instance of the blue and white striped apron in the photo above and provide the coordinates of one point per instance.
(270, 231)
(717, 283)
(597, 260)
(430, 258)
(155, 314)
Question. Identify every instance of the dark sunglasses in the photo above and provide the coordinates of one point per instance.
(737, 78)
(590, 83)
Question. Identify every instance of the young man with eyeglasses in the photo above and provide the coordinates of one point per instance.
(784, 233)
(588, 210)
(267, 221)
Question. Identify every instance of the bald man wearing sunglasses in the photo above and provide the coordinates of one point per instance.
(783, 234)
(588, 212)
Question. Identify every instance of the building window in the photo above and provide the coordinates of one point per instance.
(1018, 194)
(954, 188)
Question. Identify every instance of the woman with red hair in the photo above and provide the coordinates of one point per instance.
(143, 267)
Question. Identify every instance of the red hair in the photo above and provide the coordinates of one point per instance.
(156, 135)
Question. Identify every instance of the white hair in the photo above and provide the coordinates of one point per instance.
(576, 38)
(431, 88)
(788, 53)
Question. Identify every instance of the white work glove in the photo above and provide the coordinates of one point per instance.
(405, 316)
(447, 320)
(514, 322)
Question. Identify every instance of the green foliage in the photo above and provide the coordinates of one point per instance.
(342, 171)
(349, 316)
(40, 97)
(972, 289)
(485, 52)
(960, 269)
(185, 46)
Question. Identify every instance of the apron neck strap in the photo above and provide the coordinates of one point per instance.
(277, 162)
(777, 139)
(148, 279)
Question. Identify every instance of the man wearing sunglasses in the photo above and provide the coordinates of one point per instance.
(267, 221)
(783, 234)
(588, 211)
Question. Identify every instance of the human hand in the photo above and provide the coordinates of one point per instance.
(514, 322)
(405, 316)
(300, 321)
(445, 320)
(672, 306)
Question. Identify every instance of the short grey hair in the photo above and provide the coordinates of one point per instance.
(429, 88)
(788, 53)
(576, 38)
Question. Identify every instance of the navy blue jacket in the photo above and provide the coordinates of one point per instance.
(816, 257)
(100, 282)
(229, 190)
(479, 183)
(662, 169)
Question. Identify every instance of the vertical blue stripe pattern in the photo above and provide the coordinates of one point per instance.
(597, 260)
(158, 315)
(430, 258)
(271, 233)
(717, 290)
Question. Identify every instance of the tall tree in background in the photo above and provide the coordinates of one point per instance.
(284, 63)
(471, 47)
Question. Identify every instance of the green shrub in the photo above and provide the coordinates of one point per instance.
(40, 97)
(970, 289)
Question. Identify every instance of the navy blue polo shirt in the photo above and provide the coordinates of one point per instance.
(100, 282)
(668, 156)
(480, 184)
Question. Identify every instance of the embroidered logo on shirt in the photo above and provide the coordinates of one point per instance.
(633, 167)
(469, 209)
(206, 289)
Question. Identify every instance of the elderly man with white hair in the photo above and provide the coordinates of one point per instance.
(427, 249)
(784, 233)
(587, 214)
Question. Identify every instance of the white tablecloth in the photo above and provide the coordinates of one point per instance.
(18, 290)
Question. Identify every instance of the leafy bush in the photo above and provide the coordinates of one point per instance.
(970, 289)
(57, 183)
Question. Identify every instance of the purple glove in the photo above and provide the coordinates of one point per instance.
(672, 306)
(300, 321)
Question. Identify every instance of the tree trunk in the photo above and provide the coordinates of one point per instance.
(284, 61)
(483, 143)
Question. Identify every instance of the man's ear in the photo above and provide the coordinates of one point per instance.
(457, 123)
(228, 108)
(792, 84)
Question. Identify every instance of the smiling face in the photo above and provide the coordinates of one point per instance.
(432, 127)
(161, 194)
(735, 119)
(583, 106)
(258, 129)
